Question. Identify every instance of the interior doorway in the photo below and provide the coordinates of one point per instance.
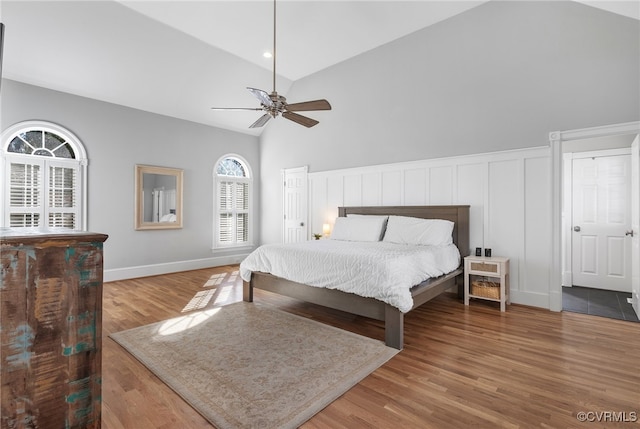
(597, 197)
(592, 149)
(295, 201)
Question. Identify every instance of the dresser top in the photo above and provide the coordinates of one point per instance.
(31, 235)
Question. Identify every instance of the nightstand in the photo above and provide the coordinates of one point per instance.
(487, 278)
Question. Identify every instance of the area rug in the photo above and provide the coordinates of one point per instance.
(249, 365)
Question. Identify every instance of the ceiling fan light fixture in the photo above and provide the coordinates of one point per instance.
(275, 104)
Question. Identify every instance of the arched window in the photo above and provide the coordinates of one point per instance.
(43, 172)
(233, 202)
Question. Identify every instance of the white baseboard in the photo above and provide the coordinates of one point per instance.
(555, 300)
(532, 299)
(115, 274)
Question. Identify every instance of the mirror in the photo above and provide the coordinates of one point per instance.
(158, 197)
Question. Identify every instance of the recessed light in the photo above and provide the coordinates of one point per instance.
(267, 54)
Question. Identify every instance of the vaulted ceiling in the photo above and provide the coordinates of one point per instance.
(180, 58)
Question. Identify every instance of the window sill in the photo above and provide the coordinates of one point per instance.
(243, 247)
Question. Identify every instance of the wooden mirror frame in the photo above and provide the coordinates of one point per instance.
(140, 222)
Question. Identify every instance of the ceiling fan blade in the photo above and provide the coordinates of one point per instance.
(236, 108)
(302, 120)
(262, 96)
(261, 121)
(309, 105)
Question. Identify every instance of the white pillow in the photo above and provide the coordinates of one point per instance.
(423, 232)
(381, 218)
(359, 228)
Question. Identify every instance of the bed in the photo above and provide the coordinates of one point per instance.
(369, 307)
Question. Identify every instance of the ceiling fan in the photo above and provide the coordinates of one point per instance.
(275, 104)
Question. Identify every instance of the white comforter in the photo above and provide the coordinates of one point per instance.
(381, 270)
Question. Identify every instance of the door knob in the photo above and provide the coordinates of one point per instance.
(630, 232)
(576, 228)
(301, 223)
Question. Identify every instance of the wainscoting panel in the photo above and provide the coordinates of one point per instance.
(335, 197)
(415, 187)
(371, 188)
(537, 252)
(318, 197)
(441, 185)
(472, 186)
(508, 193)
(353, 190)
(392, 188)
(505, 214)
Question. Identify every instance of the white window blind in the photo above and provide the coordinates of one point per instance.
(233, 189)
(242, 212)
(43, 193)
(25, 193)
(233, 212)
(225, 213)
(62, 191)
(24, 185)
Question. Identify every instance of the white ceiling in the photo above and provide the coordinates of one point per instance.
(179, 58)
(311, 35)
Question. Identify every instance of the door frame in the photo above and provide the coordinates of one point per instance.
(635, 225)
(556, 139)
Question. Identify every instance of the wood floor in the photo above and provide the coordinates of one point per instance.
(461, 367)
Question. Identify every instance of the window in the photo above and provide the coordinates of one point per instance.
(233, 202)
(43, 170)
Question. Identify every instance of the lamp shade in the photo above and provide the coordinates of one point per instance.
(326, 229)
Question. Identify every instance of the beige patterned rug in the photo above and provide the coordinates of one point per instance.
(249, 365)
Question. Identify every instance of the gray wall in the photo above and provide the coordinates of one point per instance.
(116, 139)
(500, 76)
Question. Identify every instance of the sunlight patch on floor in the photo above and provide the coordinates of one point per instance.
(199, 300)
(224, 294)
(220, 278)
(179, 324)
(221, 294)
(215, 280)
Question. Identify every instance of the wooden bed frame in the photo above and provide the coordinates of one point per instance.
(370, 307)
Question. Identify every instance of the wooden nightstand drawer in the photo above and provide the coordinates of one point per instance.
(485, 267)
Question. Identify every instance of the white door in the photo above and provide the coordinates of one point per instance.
(601, 213)
(295, 205)
(635, 225)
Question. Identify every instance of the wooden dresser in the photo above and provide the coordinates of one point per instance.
(51, 328)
